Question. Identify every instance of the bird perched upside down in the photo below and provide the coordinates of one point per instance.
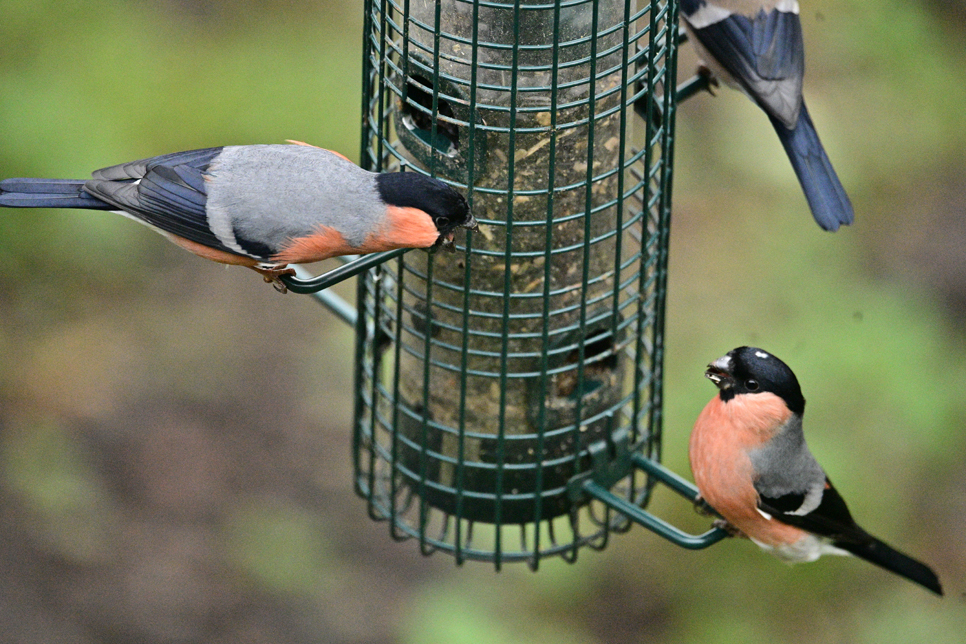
(756, 46)
(263, 206)
(752, 466)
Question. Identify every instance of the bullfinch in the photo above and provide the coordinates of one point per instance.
(263, 206)
(756, 47)
(752, 466)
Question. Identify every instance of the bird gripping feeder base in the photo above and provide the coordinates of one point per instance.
(508, 396)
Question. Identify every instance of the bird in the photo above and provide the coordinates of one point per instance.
(752, 466)
(756, 47)
(263, 206)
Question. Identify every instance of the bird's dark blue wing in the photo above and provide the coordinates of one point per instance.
(167, 192)
(764, 53)
(197, 159)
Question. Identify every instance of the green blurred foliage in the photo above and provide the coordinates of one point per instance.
(54, 477)
(174, 436)
(277, 547)
(90, 84)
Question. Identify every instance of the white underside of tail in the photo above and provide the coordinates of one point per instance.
(808, 548)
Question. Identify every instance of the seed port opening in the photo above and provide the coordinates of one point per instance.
(417, 117)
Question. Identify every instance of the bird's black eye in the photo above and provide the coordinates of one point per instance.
(751, 385)
(442, 221)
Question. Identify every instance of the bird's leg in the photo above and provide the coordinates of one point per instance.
(272, 274)
(712, 81)
(444, 242)
(702, 507)
(728, 527)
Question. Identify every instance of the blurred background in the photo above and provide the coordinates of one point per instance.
(175, 435)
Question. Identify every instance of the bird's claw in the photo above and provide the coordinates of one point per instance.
(277, 283)
(702, 507)
(273, 275)
(709, 78)
(724, 524)
(444, 242)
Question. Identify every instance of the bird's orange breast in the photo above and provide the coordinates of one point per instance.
(718, 451)
(402, 228)
(208, 252)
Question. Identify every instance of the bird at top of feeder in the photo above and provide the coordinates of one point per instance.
(263, 206)
(752, 466)
(756, 46)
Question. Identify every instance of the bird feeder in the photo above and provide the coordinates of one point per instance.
(508, 396)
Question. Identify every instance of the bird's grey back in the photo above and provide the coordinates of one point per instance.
(274, 193)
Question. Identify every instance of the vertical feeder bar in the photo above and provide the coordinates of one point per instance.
(489, 380)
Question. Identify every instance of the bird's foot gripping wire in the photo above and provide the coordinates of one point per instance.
(703, 508)
(728, 527)
(273, 275)
(710, 80)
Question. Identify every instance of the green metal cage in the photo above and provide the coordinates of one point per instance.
(508, 396)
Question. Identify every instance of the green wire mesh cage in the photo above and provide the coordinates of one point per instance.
(508, 396)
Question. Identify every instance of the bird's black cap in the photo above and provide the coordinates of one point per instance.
(749, 370)
(439, 200)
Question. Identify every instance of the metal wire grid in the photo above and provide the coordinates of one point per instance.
(492, 382)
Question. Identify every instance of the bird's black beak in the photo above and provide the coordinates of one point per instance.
(719, 372)
(471, 224)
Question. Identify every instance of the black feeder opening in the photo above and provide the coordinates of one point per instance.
(508, 396)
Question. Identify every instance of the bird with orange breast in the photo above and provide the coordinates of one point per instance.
(752, 466)
(263, 206)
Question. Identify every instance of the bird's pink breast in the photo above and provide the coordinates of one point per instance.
(718, 451)
(402, 228)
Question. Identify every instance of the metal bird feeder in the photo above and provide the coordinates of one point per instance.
(508, 396)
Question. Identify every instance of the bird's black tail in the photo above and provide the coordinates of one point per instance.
(880, 554)
(48, 193)
(823, 190)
